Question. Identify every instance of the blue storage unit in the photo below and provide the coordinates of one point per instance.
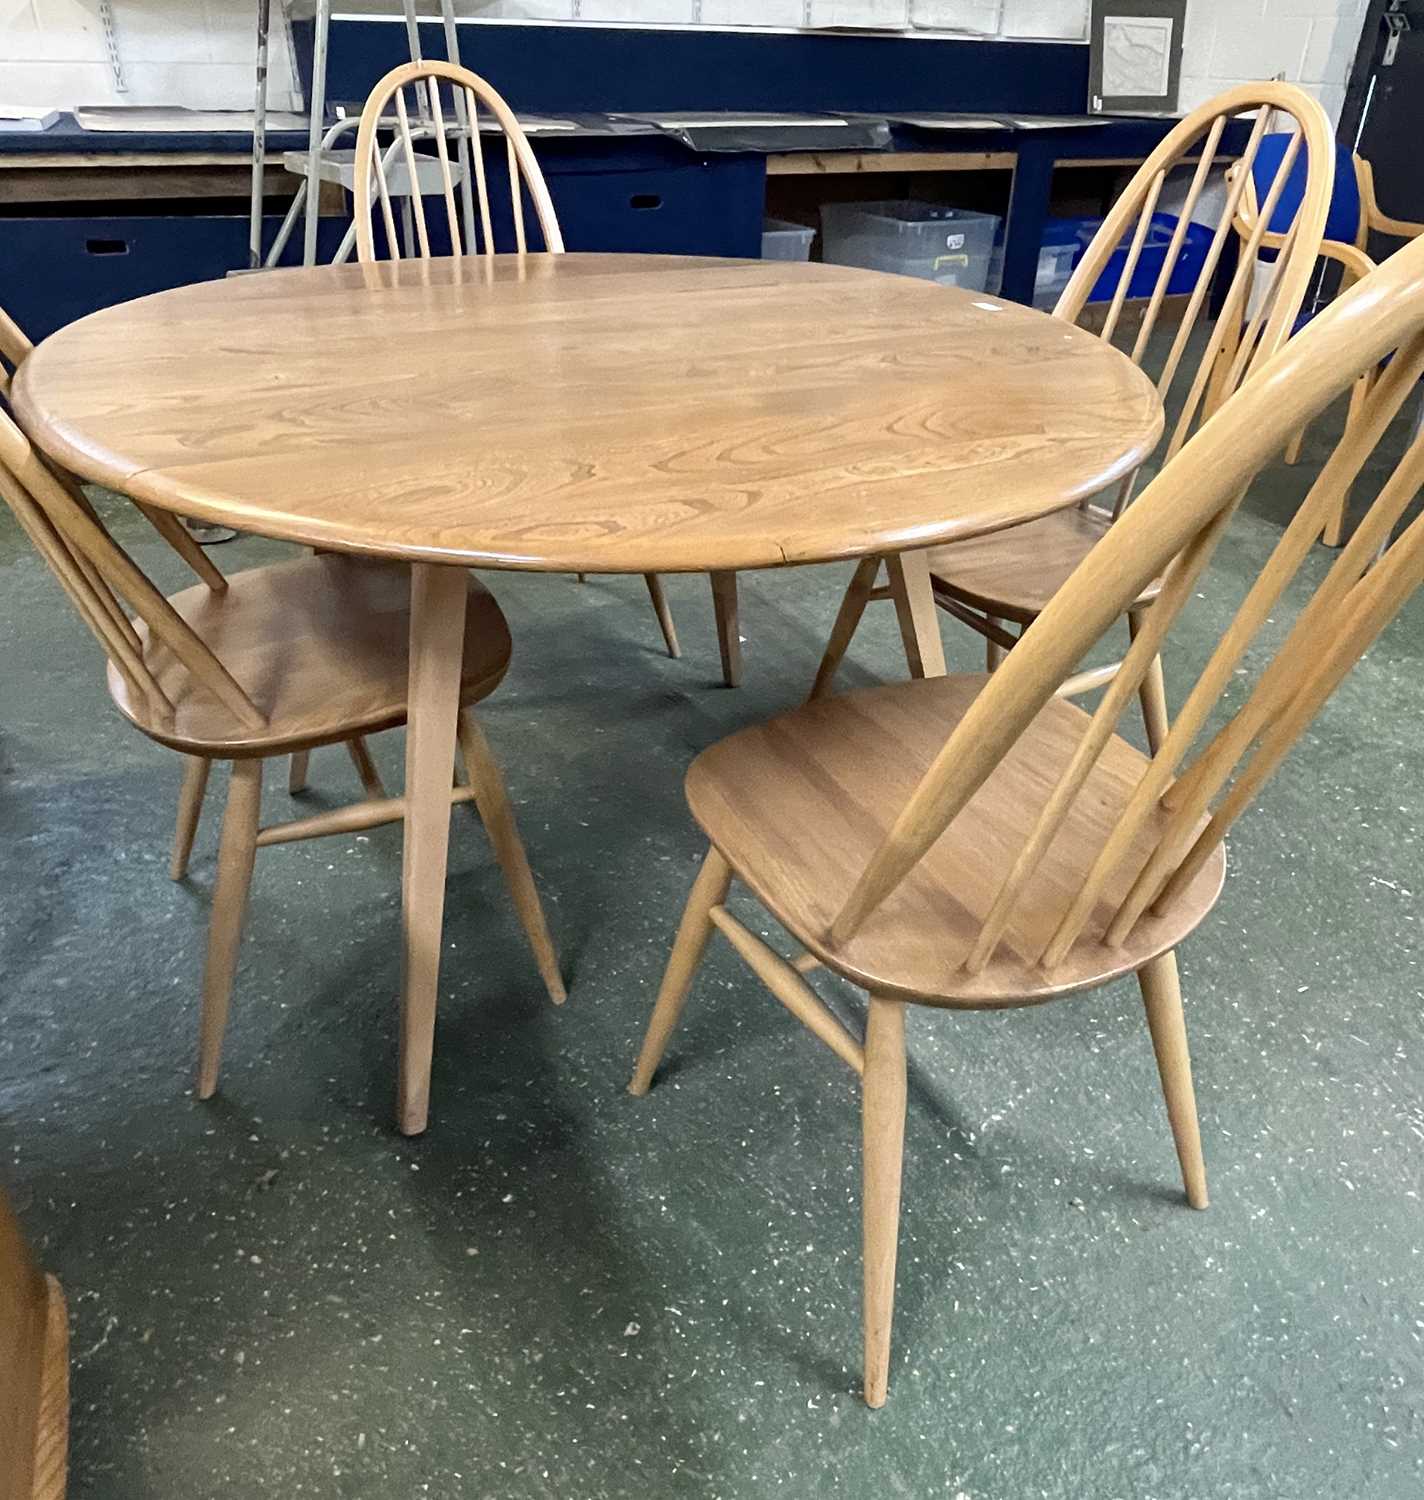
(55, 269)
(702, 206)
(641, 194)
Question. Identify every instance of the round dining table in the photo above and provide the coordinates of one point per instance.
(580, 413)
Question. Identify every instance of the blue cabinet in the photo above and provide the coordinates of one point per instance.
(54, 269)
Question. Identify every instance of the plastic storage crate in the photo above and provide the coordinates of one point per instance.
(783, 241)
(1058, 252)
(1185, 272)
(952, 246)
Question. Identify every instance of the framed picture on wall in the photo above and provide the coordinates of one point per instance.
(1136, 61)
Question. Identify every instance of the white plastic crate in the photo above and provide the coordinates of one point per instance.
(783, 241)
(952, 246)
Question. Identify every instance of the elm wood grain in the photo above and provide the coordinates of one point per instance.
(590, 413)
(799, 804)
(318, 651)
(447, 101)
(1011, 576)
(34, 1371)
(319, 645)
(978, 842)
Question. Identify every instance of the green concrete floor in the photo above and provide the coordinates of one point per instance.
(563, 1292)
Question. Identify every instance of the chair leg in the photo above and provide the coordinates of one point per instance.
(1294, 446)
(498, 817)
(297, 771)
(1162, 997)
(1152, 693)
(917, 613)
(658, 595)
(883, 1141)
(708, 890)
(239, 845)
(371, 782)
(190, 807)
(857, 596)
(994, 653)
(729, 636)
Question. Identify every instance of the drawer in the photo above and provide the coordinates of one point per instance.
(56, 269)
(701, 208)
(704, 208)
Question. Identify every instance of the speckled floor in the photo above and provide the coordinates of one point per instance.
(562, 1292)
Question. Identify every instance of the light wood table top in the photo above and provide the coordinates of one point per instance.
(590, 413)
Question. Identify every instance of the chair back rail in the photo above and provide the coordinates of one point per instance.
(1252, 324)
(14, 346)
(100, 578)
(426, 118)
(1197, 783)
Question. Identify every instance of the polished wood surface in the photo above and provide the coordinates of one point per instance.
(587, 413)
(1013, 574)
(977, 841)
(319, 645)
(847, 766)
(34, 1372)
(445, 107)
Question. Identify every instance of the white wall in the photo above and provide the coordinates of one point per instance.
(200, 52)
(1312, 42)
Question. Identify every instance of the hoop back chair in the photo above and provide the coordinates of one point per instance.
(34, 1372)
(997, 585)
(455, 120)
(282, 659)
(1354, 215)
(978, 841)
(14, 347)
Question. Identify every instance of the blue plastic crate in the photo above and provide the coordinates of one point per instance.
(1185, 273)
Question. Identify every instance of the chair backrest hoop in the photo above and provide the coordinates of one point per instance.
(1241, 338)
(469, 92)
(1174, 528)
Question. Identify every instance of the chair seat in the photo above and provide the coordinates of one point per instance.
(799, 804)
(319, 644)
(1013, 574)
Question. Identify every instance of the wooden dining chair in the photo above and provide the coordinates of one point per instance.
(34, 1372)
(999, 584)
(14, 347)
(979, 842)
(1354, 215)
(280, 659)
(444, 108)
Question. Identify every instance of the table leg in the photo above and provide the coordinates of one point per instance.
(917, 612)
(437, 630)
